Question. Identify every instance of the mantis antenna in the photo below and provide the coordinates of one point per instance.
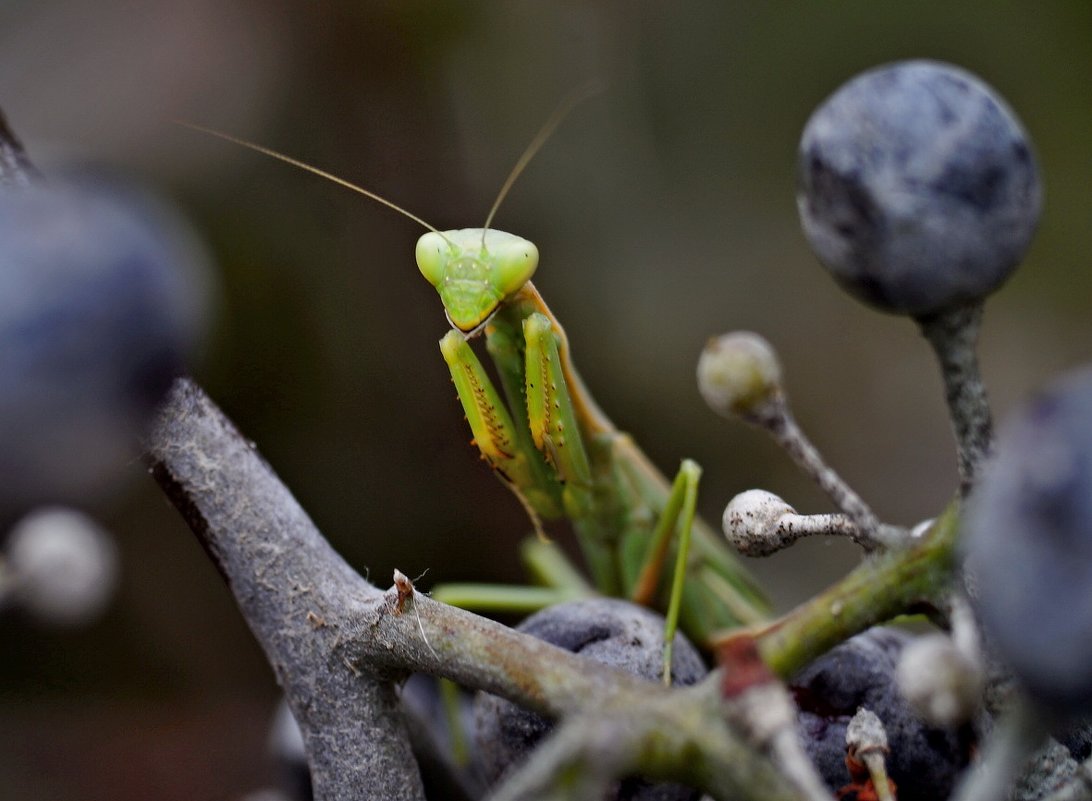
(560, 113)
(571, 101)
(311, 169)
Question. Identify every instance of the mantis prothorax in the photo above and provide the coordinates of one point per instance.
(547, 439)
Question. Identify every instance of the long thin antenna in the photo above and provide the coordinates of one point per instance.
(570, 102)
(307, 167)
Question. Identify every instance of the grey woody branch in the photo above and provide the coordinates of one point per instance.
(295, 593)
(338, 644)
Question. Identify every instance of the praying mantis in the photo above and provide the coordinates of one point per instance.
(545, 437)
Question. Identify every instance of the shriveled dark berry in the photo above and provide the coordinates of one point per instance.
(1028, 537)
(613, 632)
(1078, 739)
(918, 187)
(924, 762)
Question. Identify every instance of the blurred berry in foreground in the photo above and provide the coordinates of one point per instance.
(59, 566)
(918, 187)
(613, 632)
(1028, 535)
(924, 762)
(102, 298)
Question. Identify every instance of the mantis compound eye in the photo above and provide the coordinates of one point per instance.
(432, 257)
(515, 262)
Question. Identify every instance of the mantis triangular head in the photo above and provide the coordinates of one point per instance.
(475, 270)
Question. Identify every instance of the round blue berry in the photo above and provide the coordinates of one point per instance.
(1028, 541)
(918, 187)
(100, 301)
(616, 633)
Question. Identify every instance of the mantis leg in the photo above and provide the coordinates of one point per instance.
(557, 434)
(505, 443)
(512, 598)
(539, 450)
(558, 582)
(678, 515)
(550, 416)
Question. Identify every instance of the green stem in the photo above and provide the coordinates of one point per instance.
(883, 587)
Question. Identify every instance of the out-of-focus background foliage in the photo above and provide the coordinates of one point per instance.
(664, 210)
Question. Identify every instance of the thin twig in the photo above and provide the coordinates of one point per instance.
(917, 576)
(953, 335)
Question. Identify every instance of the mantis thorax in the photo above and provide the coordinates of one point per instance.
(475, 270)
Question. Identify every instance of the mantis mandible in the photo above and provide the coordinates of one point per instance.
(549, 442)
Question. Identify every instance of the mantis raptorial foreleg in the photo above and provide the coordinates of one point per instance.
(539, 451)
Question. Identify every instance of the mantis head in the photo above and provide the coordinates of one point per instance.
(475, 270)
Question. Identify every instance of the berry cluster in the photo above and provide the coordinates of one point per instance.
(102, 291)
(919, 193)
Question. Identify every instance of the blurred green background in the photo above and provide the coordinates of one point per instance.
(664, 211)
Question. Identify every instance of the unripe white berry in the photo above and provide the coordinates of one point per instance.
(750, 522)
(939, 681)
(739, 374)
(64, 566)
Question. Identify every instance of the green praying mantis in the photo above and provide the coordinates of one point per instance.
(545, 437)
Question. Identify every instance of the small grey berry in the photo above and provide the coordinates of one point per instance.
(918, 187)
(750, 522)
(942, 684)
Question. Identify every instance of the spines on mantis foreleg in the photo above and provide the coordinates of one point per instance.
(489, 420)
(554, 427)
(592, 419)
(495, 434)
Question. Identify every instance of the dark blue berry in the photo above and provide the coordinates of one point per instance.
(918, 187)
(924, 762)
(1028, 537)
(616, 633)
(99, 304)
